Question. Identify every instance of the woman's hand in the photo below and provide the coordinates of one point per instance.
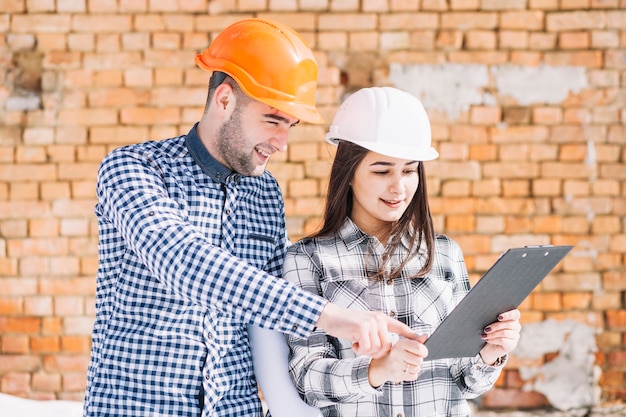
(402, 363)
(501, 336)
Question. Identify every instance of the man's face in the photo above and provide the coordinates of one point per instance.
(251, 135)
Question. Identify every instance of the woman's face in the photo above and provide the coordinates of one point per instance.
(382, 189)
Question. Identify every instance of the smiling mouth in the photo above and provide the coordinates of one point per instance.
(263, 153)
(392, 202)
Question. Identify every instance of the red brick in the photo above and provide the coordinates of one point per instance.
(101, 23)
(43, 227)
(590, 59)
(575, 21)
(574, 40)
(18, 286)
(38, 306)
(66, 363)
(455, 188)
(67, 286)
(617, 358)
(593, 319)
(614, 281)
(38, 23)
(51, 325)
(577, 301)
(76, 344)
(303, 188)
(8, 267)
(532, 20)
(65, 305)
(26, 172)
(483, 152)
(513, 399)
(27, 325)
(118, 134)
(616, 318)
(74, 381)
(46, 382)
(547, 224)
(14, 344)
(89, 265)
(526, 58)
(513, 39)
(15, 383)
(44, 344)
(150, 116)
(20, 191)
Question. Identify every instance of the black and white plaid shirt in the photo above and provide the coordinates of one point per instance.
(183, 246)
(326, 369)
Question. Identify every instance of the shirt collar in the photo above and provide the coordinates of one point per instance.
(209, 165)
(353, 236)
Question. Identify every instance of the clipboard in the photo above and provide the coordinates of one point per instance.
(503, 287)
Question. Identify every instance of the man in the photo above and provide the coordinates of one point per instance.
(192, 235)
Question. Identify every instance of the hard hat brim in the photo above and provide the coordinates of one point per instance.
(394, 151)
(300, 111)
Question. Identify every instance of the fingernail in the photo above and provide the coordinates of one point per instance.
(487, 329)
(483, 335)
(500, 317)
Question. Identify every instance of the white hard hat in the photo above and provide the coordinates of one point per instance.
(384, 120)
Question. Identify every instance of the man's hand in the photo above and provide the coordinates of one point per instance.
(369, 331)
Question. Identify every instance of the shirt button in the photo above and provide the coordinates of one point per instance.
(399, 415)
(151, 213)
(227, 211)
(294, 328)
(210, 336)
(207, 377)
(390, 281)
(392, 313)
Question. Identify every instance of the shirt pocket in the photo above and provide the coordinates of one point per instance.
(433, 299)
(258, 248)
(348, 292)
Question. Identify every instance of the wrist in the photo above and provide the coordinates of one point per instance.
(492, 361)
(374, 375)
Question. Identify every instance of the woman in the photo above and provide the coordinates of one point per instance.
(377, 250)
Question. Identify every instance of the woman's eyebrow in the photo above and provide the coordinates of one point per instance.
(384, 163)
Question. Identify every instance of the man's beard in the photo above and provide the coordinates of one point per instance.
(232, 146)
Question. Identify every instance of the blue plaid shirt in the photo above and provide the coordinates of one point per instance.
(188, 254)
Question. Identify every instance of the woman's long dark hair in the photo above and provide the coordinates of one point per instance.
(416, 222)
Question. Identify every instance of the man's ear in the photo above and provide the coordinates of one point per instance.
(223, 96)
(224, 101)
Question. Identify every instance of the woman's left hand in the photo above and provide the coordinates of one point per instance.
(501, 336)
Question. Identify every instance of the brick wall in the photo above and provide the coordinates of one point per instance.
(79, 78)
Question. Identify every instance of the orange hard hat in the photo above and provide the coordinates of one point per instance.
(270, 62)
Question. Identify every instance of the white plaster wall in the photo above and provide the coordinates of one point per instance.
(453, 88)
(570, 380)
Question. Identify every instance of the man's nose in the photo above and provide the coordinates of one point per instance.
(279, 141)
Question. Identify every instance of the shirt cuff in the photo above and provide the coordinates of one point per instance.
(360, 376)
(499, 363)
(304, 311)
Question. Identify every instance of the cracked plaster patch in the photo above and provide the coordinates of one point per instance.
(570, 380)
(454, 88)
